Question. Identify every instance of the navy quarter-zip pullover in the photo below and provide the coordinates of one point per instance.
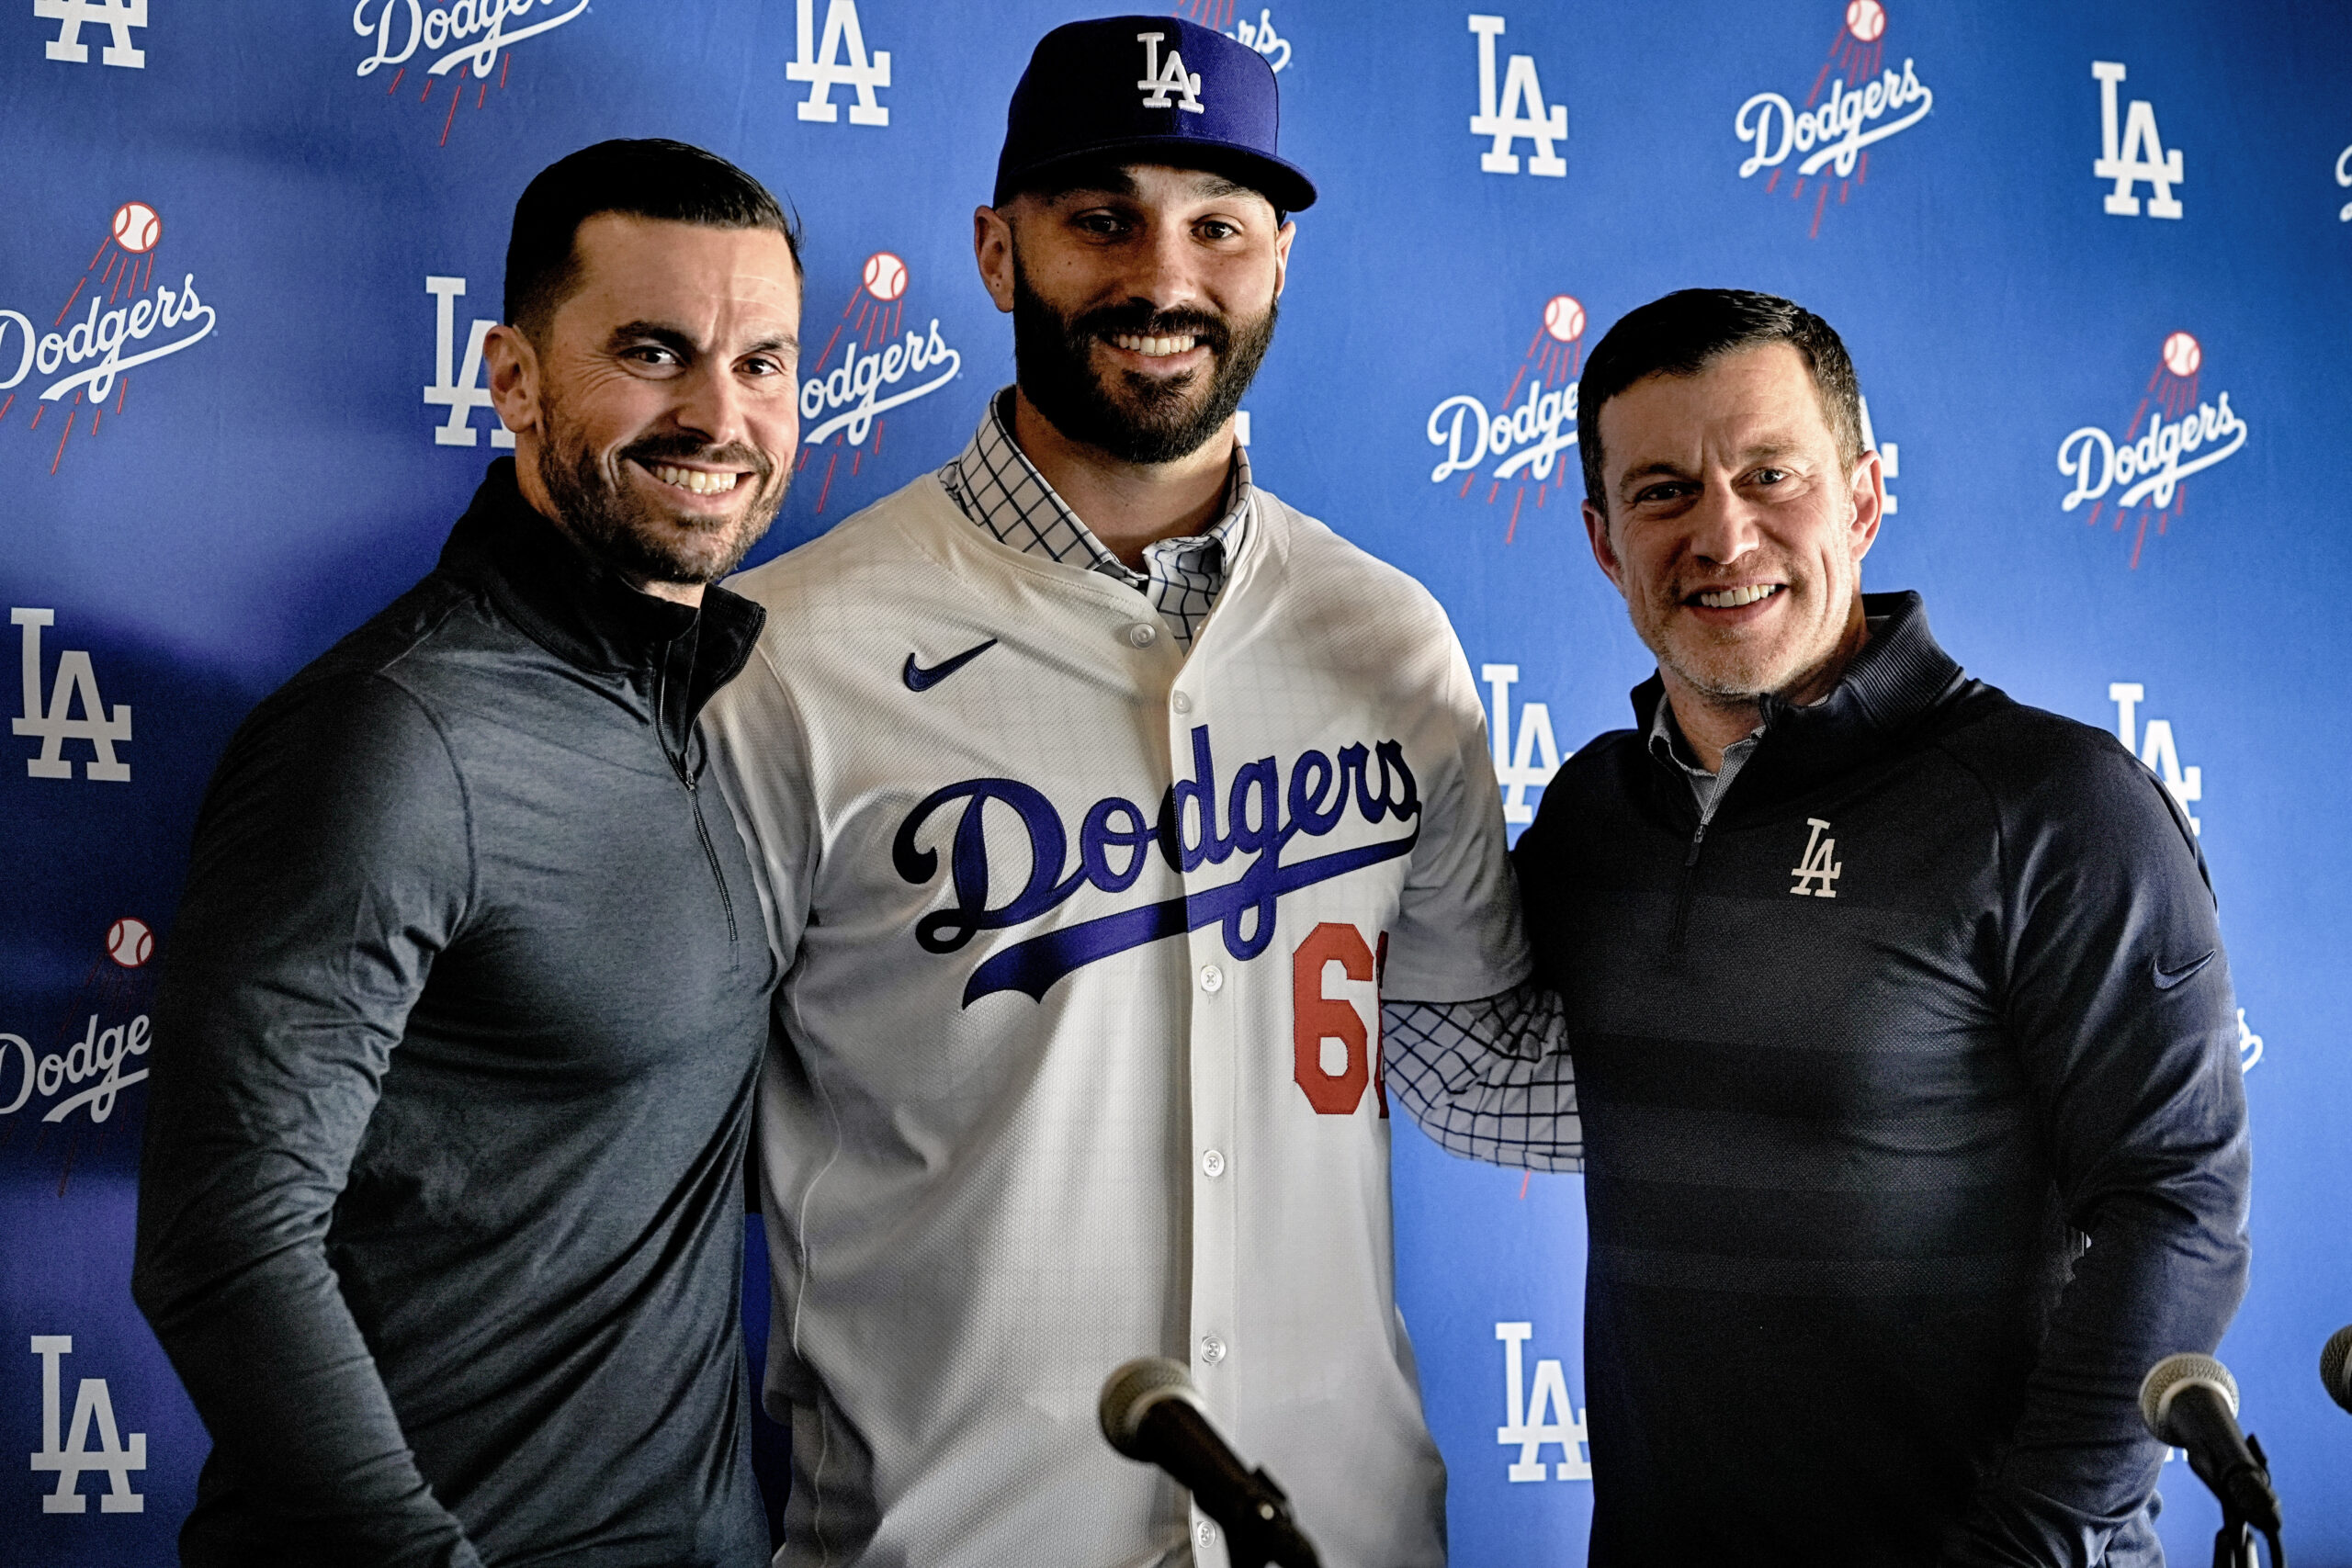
(1913, 1125)
(441, 1207)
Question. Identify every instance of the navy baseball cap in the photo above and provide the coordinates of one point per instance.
(1148, 90)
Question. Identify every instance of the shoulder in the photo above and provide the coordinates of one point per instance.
(375, 712)
(2055, 779)
(1598, 767)
(1591, 785)
(340, 726)
(871, 548)
(1312, 596)
(2022, 753)
(1312, 554)
(380, 677)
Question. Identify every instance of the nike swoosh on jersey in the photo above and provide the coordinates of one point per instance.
(922, 680)
(2167, 978)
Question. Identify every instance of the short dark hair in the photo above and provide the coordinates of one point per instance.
(1689, 330)
(651, 179)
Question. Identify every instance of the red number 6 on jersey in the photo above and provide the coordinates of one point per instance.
(1316, 1017)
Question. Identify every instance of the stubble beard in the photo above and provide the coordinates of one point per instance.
(636, 538)
(1734, 671)
(1140, 419)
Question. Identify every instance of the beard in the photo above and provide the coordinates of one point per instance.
(634, 535)
(1133, 417)
(1729, 666)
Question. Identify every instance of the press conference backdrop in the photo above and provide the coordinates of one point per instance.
(2091, 260)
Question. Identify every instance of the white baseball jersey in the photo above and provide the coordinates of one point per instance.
(1078, 1052)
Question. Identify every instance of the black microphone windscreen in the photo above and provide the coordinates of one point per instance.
(1131, 1391)
(2169, 1377)
(2333, 1369)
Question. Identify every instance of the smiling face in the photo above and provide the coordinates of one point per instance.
(657, 422)
(1736, 529)
(1143, 303)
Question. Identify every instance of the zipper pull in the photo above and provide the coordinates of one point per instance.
(1696, 840)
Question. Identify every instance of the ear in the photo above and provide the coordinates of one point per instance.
(1869, 505)
(515, 385)
(992, 249)
(1282, 256)
(1596, 530)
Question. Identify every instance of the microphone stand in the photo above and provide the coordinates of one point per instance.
(1272, 1540)
(2233, 1545)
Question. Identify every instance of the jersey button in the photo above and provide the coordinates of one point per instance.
(1213, 1163)
(1180, 702)
(1211, 978)
(1143, 634)
(1212, 1350)
(1205, 1533)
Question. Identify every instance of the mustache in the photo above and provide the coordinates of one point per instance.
(1138, 318)
(681, 447)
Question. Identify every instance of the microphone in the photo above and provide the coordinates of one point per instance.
(1152, 1413)
(2191, 1402)
(2333, 1369)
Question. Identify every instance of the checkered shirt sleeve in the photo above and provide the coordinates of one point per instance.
(994, 483)
(1488, 1079)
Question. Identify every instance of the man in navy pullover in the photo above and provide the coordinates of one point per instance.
(1913, 1132)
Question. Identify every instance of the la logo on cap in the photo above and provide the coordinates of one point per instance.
(1158, 81)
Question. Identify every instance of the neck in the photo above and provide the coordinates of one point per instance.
(1710, 721)
(1127, 505)
(535, 492)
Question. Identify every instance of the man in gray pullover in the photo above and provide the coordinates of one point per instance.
(440, 1211)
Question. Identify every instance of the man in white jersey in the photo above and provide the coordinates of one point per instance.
(1102, 800)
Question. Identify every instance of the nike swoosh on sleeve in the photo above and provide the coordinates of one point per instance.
(919, 679)
(2167, 978)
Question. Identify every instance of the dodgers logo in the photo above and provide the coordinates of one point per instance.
(1528, 440)
(67, 1082)
(126, 320)
(1258, 35)
(1259, 821)
(2186, 437)
(470, 38)
(884, 365)
(1863, 103)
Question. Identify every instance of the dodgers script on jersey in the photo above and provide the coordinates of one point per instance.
(1078, 1047)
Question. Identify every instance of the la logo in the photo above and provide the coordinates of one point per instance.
(103, 728)
(2138, 156)
(1817, 873)
(1161, 79)
(1522, 112)
(69, 1458)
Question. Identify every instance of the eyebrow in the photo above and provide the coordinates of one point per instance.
(1762, 451)
(680, 343)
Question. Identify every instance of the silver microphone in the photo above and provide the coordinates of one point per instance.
(2334, 1370)
(1151, 1413)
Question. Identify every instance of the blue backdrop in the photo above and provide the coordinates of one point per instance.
(2091, 260)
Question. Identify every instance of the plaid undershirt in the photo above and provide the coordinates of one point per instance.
(994, 483)
(1488, 1079)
